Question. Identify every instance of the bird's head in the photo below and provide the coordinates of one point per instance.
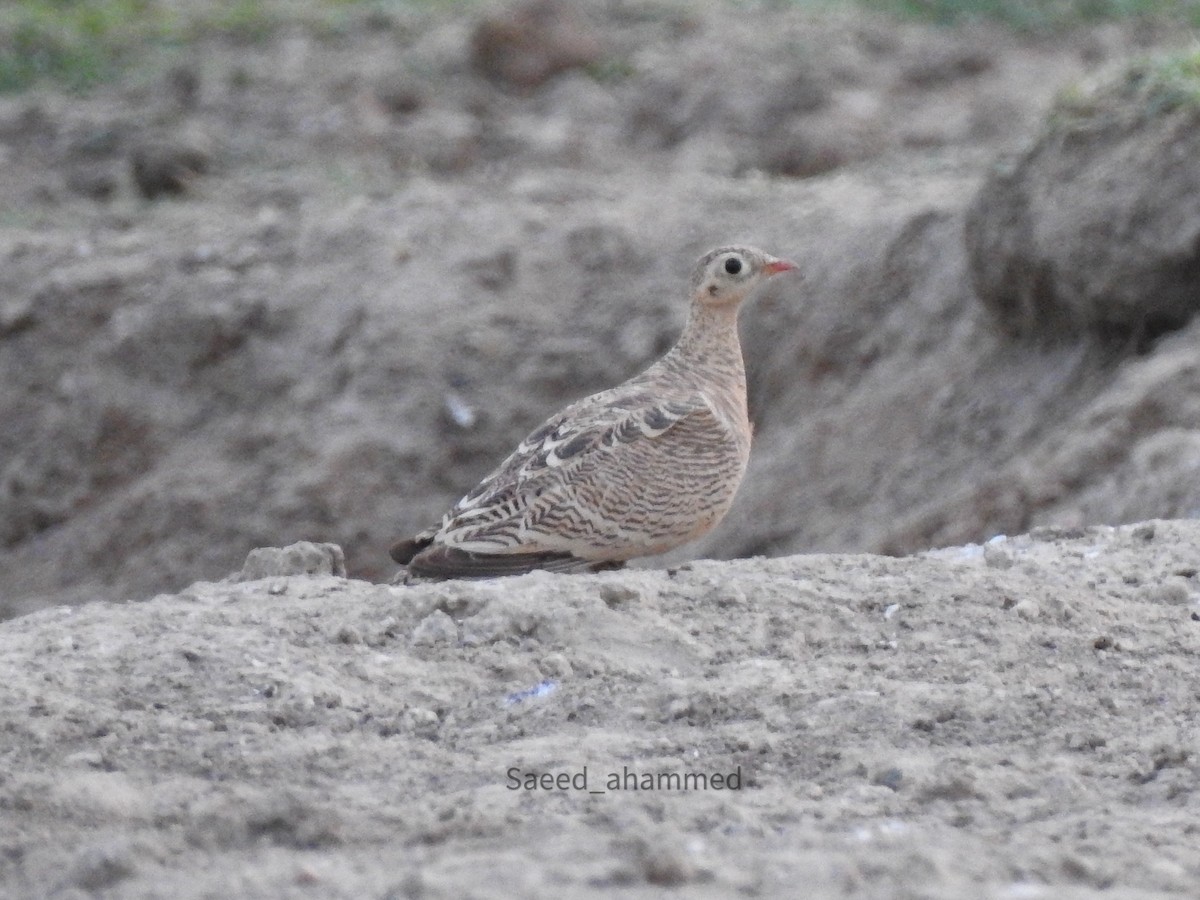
(725, 276)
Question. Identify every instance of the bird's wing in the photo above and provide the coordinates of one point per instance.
(597, 435)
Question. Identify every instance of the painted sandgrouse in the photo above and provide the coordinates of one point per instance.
(633, 471)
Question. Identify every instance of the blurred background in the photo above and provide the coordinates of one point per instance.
(306, 269)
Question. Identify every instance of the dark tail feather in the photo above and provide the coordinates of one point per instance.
(450, 562)
(405, 549)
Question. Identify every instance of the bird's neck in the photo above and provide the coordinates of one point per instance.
(710, 344)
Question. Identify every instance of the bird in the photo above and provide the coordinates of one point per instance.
(632, 471)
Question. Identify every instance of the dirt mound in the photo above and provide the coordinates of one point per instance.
(1097, 225)
(984, 721)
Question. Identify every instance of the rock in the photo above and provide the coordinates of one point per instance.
(1027, 609)
(183, 84)
(444, 140)
(1144, 532)
(801, 152)
(663, 858)
(102, 865)
(97, 142)
(618, 595)
(556, 665)
(942, 60)
(436, 628)
(526, 45)
(167, 167)
(399, 93)
(1173, 591)
(493, 271)
(96, 180)
(16, 315)
(301, 558)
(996, 557)
(1094, 227)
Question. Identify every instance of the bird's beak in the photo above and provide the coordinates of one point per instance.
(775, 266)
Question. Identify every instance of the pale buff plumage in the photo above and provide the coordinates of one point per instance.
(633, 471)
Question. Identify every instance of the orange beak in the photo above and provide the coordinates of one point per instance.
(779, 265)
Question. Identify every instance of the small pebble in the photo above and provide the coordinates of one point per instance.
(16, 315)
(86, 758)
(301, 558)
(164, 167)
(729, 595)
(1174, 591)
(665, 861)
(1027, 609)
(996, 557)
(891, 778)
(615, 595)
(1059, 608)
(420, 721)
(436, 628)
(102, 866)
(556, 665)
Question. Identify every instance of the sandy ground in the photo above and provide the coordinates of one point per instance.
(400, 255)
(1013, 720)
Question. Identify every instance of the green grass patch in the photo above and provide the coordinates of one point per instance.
(80, 43)
(1166, 83)
(72, 42)
(1038, 15)
(1151, 87)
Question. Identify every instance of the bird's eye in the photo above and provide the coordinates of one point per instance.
(733, 265)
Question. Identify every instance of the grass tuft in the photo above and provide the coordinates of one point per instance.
(1166, 83)
(81, 43)
(1151, 87)
(1038, 15)
(78, 44)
